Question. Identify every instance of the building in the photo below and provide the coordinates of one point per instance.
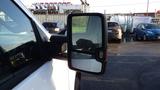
(55, 8)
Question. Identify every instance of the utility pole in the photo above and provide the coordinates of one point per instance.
(84, 5)
(147, 6)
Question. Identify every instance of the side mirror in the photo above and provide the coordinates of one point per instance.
(86, 42)
(60, 43)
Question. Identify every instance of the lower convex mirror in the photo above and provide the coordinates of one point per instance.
(86, 42)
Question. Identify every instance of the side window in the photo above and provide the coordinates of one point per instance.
(143, 26)
(15, 28)
(16, 35)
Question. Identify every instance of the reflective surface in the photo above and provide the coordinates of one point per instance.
(86, 39)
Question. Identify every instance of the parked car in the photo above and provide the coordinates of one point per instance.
(28, 53)
(138, 20)
(114, 31)
(54, 27)
(147, 31)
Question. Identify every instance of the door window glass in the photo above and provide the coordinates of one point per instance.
(15, 27)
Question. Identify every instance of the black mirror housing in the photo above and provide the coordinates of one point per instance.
(86, 36)
(59, 42)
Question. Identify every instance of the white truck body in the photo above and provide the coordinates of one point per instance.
(53, 75)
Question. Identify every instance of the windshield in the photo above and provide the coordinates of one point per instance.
(152, 26)
(15, 28)
(50, 25)
(112, 24)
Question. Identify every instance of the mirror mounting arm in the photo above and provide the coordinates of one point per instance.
(99, 54)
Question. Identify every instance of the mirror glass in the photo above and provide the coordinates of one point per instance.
(86, 43)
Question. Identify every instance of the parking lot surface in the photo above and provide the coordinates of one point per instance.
(133, 65)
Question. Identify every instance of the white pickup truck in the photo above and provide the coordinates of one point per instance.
(28, 54)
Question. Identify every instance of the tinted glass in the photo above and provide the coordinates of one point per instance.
(86, 37)
(112, 24)
(15, 28)
(151, 26)
(50, 25)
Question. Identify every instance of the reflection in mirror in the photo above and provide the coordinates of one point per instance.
(86, 41)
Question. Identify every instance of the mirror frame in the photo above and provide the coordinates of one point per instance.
(104, 41)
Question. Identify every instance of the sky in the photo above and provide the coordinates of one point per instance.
(111, 6)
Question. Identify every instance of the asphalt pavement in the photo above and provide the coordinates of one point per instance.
(131, 66)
